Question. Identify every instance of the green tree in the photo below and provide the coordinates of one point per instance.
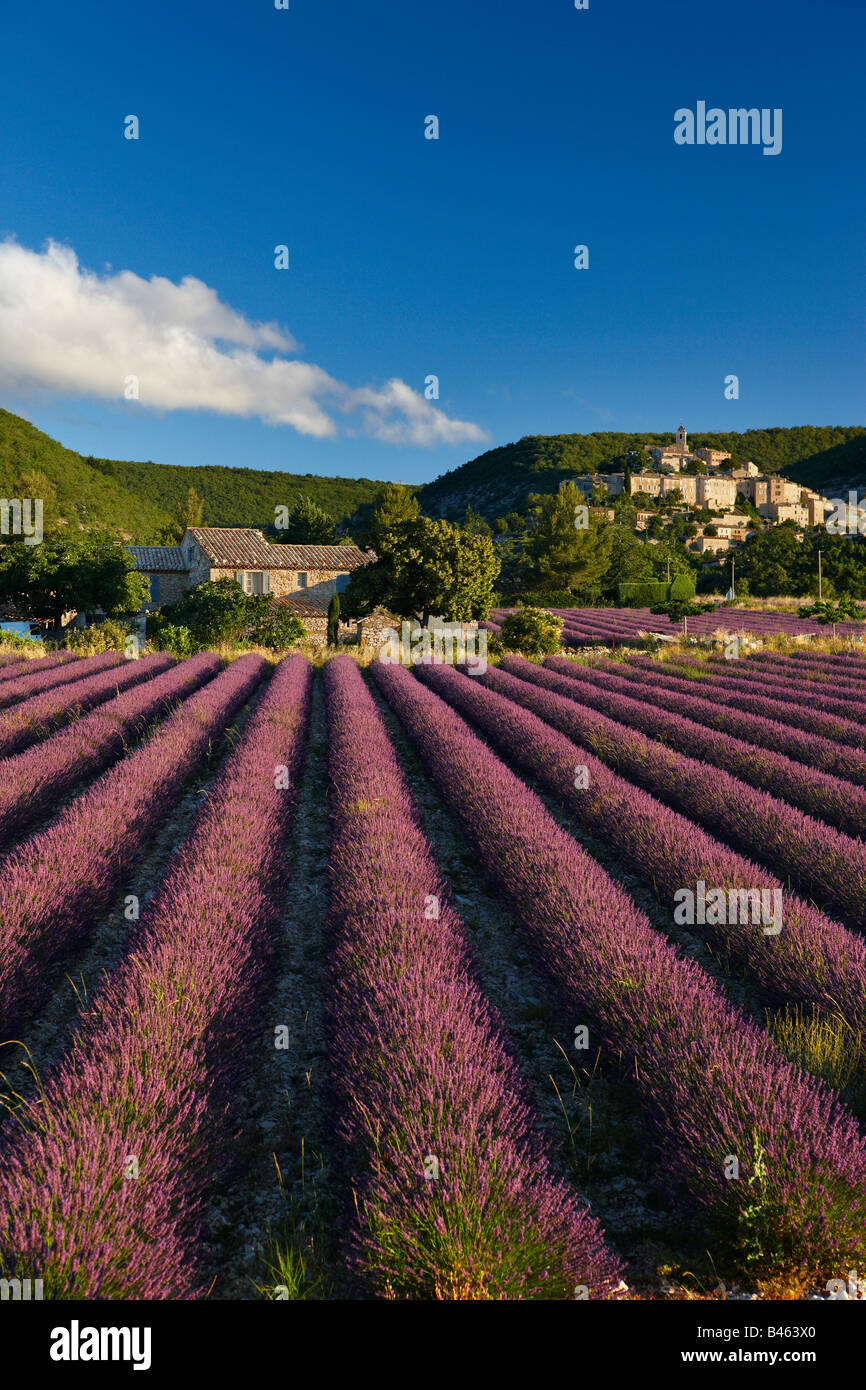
(334, 620)
(474, 523)
(777, 562)
(563, 553)
(271, 625)
(214, 611)
(84, 573)
(427, 567)
(191, 512)
(846, 610)
(680, 610)
(219, 611)
(308, 524)
(396, 505)
(629, 562)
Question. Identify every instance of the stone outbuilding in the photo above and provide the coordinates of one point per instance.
(163, 566)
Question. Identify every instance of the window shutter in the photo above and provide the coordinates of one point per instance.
(266, 582)
(239, 578)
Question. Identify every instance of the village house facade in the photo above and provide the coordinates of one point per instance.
(303, 578)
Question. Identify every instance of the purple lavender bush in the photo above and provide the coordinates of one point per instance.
(33, 719)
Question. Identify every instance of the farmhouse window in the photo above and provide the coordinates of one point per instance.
(154, 588)
(254, 581)
(302, 580)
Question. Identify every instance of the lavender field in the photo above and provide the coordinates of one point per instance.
(327, 983)
(619, 626)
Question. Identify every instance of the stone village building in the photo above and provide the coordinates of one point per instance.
(302, 578)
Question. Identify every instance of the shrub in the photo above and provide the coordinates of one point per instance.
(682, 587)
(650, 592)
(178, 640)
(531, 631)
(219, 612)
(276, 629)
(17, 642)
(101, 637)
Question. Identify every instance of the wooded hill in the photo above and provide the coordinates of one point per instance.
(835, 471)
(141, 500)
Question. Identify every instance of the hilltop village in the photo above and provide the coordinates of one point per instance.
(723, 506)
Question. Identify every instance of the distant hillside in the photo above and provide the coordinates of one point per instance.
(499, 480)
(240, 496)
(139, 500)
(834, 472)
(85, 497)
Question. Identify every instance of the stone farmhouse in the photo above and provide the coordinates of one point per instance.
(302, 578)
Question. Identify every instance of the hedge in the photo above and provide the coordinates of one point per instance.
(652, 591)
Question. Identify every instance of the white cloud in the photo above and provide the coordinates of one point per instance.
(68, 330)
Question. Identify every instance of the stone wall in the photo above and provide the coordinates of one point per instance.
(373, 630)
(172, 586)
(321, 584)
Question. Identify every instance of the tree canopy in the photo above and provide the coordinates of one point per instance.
(427, 568)
(563, 552)
(308, 524)
(83, 572)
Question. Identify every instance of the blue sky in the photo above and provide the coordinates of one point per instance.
(305, 127)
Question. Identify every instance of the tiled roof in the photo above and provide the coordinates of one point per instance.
(301, 607)
(324, 557)
(245, 548)
(157, 557)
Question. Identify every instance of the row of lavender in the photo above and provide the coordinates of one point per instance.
(813, 960)
(105, 1177)
(34, 781)
(488, 1219)
(824, 861)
